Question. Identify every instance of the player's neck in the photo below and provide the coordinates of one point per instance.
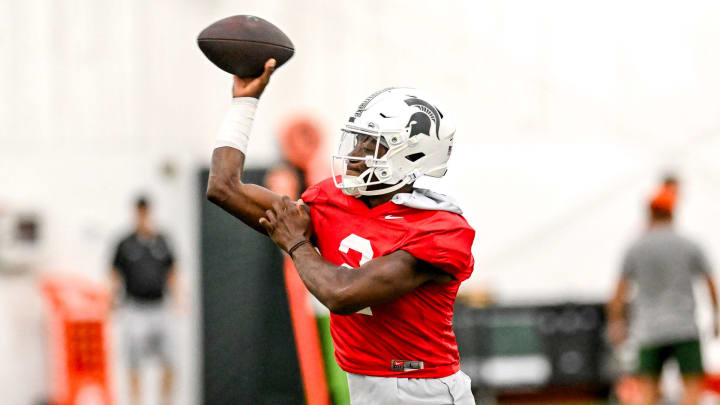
(661, 223)
(373, 201)
(144, 233)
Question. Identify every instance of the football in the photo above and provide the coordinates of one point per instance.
(243, 43)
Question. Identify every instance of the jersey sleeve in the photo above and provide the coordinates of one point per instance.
(699, 263)
(170, 258)
(314, 194)
(311, 195)
(319, 192)
(448, 249)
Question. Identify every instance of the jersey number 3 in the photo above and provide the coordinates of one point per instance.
(362, 246)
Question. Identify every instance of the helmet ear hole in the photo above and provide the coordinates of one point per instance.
(415, 156)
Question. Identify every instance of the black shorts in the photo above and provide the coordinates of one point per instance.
(687, 354)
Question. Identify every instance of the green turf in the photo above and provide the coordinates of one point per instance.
(337, 380)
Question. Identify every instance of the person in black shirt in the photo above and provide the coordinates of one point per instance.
(143, 268)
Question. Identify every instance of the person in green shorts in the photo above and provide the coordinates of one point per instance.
(661, 267)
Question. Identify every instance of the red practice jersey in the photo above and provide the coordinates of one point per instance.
(410, 336)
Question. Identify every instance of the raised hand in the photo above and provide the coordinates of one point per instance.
(253, 86)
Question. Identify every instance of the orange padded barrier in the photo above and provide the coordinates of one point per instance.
(78, 339)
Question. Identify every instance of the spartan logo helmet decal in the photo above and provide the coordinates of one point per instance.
(420, 122)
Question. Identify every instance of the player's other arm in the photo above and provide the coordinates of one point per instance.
(116, 278)
(380, 280)
(700, 266)
(712, 289)
(115, 286)
(617, 323)
(247, 202)
(344, 291)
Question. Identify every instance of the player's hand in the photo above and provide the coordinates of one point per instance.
(253, 86)
(287, 223)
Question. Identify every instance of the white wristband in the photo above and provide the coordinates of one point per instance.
(235, 129)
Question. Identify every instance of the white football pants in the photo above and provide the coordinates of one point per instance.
(453, 389)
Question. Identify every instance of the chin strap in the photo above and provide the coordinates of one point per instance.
(386, 190)
(361, 189)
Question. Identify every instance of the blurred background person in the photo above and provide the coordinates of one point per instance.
(661, 267)
(143, 271)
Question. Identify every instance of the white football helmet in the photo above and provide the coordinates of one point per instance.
(417, 135)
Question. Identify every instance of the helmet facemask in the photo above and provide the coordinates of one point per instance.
(392, 139)
(365, 152)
